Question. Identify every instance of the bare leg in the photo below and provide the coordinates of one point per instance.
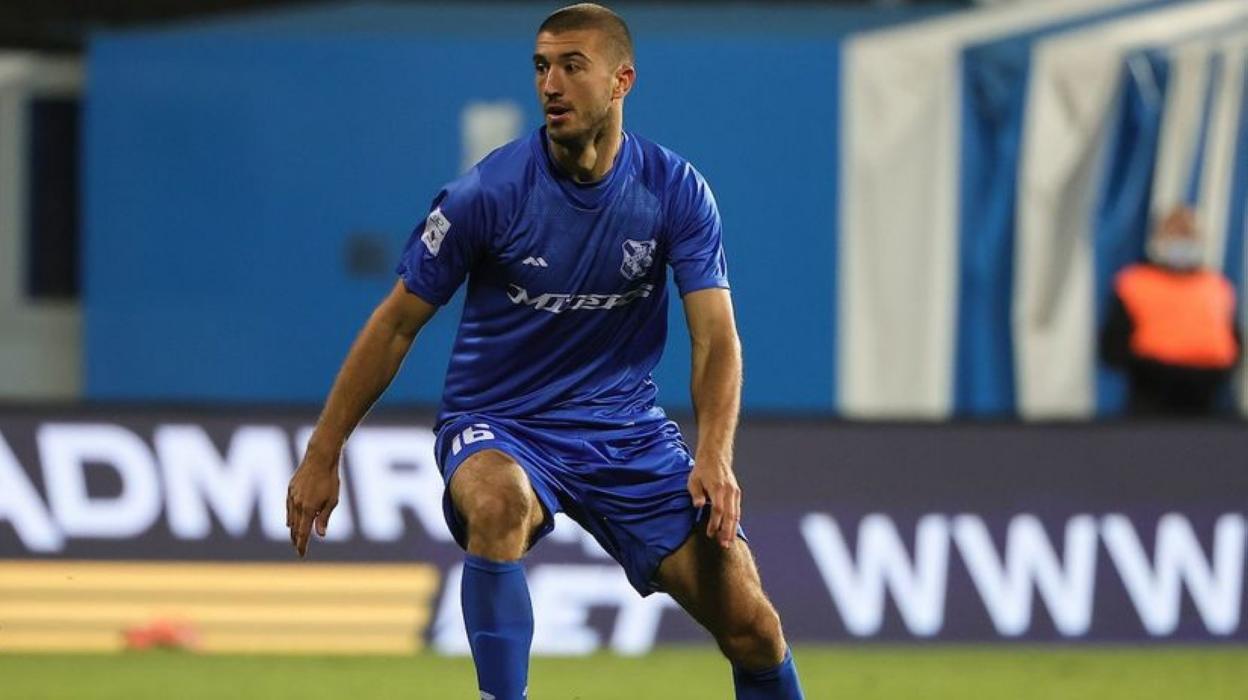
(502, 513)
(720, 588)
(496, 501)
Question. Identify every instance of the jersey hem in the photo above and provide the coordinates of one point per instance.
(423, 294)
(703, 284)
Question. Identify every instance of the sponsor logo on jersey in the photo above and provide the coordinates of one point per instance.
(436, 227)
(638, 257)
(535, 262)
(558, 303)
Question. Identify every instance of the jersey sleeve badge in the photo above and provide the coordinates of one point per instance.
(436, 227)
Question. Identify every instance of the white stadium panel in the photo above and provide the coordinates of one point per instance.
(898, 263)
(40, 340)
(1073, 81)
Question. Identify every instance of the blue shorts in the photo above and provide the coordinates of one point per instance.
(628, 486)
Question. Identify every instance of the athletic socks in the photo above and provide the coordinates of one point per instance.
(779, 683)
(499, 618)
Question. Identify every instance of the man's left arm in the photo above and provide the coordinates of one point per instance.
(716, 389)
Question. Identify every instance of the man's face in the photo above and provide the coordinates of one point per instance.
(576, 79)
(1175, 243)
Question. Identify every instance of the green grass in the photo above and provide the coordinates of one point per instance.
(861, 673)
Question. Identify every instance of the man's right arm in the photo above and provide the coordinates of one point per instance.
(374, 359)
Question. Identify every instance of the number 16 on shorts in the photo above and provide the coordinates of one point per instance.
(473, 433)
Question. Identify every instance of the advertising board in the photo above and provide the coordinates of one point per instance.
(863, 532)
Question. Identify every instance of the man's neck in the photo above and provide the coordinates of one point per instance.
(589, 162)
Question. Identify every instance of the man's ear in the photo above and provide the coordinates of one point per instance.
(625, 78)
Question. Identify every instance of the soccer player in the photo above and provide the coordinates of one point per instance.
(564, 237)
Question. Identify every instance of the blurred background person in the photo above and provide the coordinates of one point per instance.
(1171, 325)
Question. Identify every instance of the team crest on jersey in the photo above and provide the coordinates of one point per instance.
(638, 257)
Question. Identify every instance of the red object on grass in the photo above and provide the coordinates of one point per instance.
(162, 634)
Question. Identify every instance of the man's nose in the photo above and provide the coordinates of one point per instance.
(551, 85)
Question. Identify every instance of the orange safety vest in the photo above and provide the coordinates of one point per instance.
(1184, 319)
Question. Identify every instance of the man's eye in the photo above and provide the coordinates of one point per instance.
(573, 68)
(541, 68)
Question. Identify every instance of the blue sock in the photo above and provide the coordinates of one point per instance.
(499, 618)
(779, 683)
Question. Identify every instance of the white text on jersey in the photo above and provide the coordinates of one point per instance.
(558, 303)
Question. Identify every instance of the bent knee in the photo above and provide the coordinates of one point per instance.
(493, 496)
(497, 513)
(755, 642)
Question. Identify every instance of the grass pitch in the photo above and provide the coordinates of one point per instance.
(862, 673)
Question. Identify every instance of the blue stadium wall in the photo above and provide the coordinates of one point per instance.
(229, 164)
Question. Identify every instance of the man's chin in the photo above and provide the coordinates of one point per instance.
(565, 136)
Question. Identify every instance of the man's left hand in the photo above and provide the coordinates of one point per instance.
(712, 480)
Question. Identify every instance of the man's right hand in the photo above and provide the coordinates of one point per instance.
(374, 359)
(311, 497)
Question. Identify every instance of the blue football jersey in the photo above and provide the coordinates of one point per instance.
(566, 308)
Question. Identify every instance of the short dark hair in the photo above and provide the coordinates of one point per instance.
(588, 15)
